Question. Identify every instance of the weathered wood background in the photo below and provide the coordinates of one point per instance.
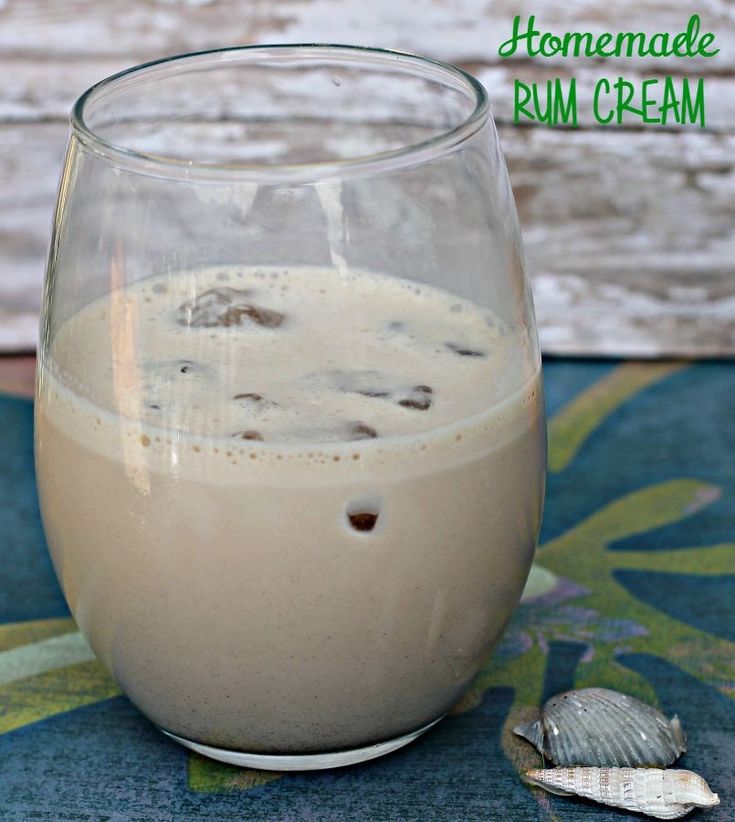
(630, 231)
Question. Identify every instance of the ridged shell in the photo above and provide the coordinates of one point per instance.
(607, 729)
(655, 792)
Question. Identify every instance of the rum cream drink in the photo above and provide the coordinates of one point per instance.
(292, 510)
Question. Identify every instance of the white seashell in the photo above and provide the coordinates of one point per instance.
(597, 726)
(664, 794)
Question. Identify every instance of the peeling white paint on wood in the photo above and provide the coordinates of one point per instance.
(457, 30)
(684, 321)
(630, 233)
(31, 92)
(609, 217)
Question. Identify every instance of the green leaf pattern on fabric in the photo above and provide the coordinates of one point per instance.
(46, 668)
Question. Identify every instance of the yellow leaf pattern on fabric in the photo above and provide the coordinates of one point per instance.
(580, 557)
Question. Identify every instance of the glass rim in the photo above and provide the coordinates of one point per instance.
(163, 166)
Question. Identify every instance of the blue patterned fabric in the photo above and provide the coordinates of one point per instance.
(634, 589)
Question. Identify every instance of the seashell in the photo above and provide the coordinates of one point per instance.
(607, 729)
(653, 791)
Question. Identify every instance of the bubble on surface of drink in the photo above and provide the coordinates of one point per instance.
(328, 431)
(361, 431)
(464, 350)
(367, 382)
(253, 401)
(380, 386)
(223, 307)
(174, 370)
(419, 398)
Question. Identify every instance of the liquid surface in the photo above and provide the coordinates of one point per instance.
(303, 356)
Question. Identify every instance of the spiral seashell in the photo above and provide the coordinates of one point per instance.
(604, 728)
(652, 791)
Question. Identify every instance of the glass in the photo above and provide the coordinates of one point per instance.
(290, 437)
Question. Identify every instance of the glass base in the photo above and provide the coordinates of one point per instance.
(300, 762)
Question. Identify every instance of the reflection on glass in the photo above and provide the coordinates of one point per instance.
(290, 435)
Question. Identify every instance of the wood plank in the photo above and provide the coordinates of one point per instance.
(41, 91)
(455, 30)
(629, 239)
(630, 234)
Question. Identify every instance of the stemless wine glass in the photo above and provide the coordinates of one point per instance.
(290, 438)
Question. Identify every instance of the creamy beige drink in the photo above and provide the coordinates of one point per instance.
(291, 510)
